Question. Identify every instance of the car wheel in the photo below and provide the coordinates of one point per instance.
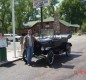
(50, 57)
(16, 40)
(68, 51)
(24, 56)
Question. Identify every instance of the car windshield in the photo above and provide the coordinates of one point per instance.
(46, 33)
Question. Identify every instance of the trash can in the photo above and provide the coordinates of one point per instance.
(3, 45)
(3, 54)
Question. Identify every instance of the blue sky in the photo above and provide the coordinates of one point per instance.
(60, 0)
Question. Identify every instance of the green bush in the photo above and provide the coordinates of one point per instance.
(83, 27)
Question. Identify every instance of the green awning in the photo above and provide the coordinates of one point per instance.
(30, 24)
(50, 19)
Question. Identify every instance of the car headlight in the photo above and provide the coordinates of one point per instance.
(42, 48)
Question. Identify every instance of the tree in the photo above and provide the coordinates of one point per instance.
(24, 12)
(84, 27)
(51, 8)
(5, 18)
(73, 11)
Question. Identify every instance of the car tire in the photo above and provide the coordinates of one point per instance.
(24, 56)
(68, 51)
(50, 57)
(16, 40)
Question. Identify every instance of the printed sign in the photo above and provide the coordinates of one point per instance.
(40, 3)
(3, 42)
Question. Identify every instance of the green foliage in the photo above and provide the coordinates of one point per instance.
(24, 12)
(73, 11)
(51, 8)
(84, 27)
(5, 15)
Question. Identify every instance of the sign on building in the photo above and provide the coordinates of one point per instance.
(40, 3)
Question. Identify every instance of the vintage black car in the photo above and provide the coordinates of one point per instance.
(51, 45)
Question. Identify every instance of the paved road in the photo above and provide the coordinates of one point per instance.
(64, 68)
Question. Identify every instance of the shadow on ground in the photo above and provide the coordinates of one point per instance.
(58, 61)
(8, 65)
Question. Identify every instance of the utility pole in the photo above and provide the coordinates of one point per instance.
(40, 4)
(13, 28)
(42, 17)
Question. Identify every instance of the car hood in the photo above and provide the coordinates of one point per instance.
(44, 41)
